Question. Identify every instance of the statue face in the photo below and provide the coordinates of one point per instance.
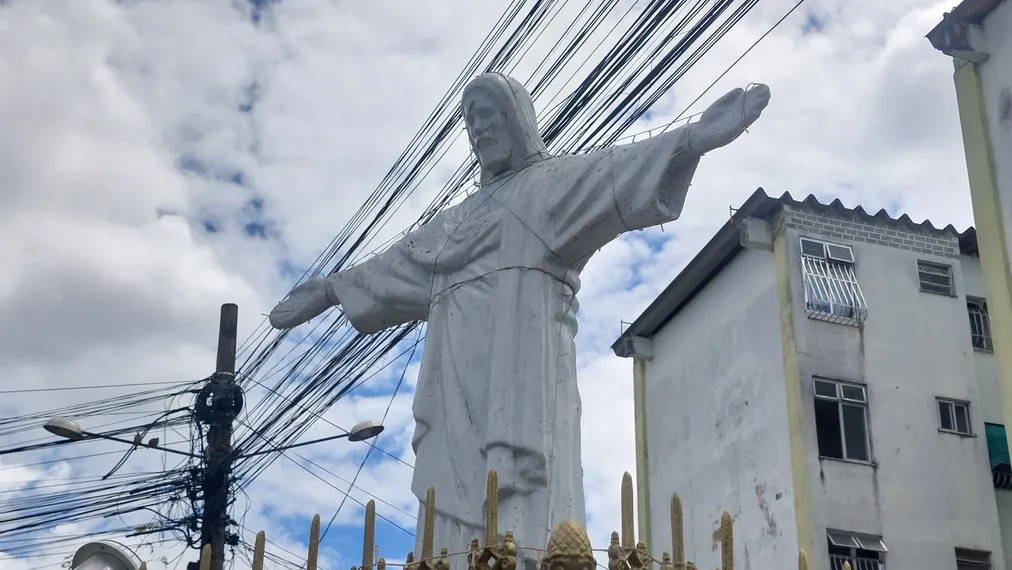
(487, 127)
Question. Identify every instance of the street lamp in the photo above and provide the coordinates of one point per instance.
(69, 429)
(359, 432)
(215, 486)
(64, 428)
(105, 555)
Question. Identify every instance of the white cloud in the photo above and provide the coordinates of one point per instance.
(132, 127)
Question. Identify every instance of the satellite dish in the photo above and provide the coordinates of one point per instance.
(105, 555)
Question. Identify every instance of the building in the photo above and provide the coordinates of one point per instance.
(975, 34)
(827, 375)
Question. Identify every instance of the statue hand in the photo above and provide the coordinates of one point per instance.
(728, 118)
(308, 300)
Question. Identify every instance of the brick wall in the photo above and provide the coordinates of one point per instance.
(855, 229)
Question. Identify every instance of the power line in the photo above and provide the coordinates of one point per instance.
(89, 387)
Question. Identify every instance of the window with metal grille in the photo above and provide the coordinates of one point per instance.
(862, 551)
(980, 324)
(967, 559)
(954, 416)
(935, 278)
(831, 289)
(841, 420)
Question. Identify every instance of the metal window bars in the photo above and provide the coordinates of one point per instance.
(840, 562)
(980, 325)
(831, 291)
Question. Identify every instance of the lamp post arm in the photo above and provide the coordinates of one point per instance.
(91, 435)
(287, 447)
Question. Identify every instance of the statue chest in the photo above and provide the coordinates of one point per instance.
(489, 235)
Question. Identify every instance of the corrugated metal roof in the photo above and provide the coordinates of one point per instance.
(725, 244)
(949, 36)
(967, 238)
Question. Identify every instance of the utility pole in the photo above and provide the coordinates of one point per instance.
(218, 404)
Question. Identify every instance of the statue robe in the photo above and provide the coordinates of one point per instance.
(495, 278)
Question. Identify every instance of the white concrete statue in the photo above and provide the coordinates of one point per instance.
(495, 278)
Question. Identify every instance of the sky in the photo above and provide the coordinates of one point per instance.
(158, 159)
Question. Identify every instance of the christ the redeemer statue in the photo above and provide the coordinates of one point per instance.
(495, 278)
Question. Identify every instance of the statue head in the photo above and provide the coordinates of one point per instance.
(501, 125)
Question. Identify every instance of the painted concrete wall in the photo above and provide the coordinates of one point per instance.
(987, 139)
(990, 399)
(996, 79)
(716, 421)
(926, 492)
(1004, 500)
(985, 367)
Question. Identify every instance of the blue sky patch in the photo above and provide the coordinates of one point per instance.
(812, 24)
(258, 9)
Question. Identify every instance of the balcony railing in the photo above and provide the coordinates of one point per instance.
(836, 563)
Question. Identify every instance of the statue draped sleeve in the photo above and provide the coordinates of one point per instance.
(393, 287)
(603, 194)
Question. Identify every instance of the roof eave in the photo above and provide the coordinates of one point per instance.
(949, 35)
(721, 248)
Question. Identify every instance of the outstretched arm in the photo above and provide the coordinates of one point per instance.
(389, 289)
(600, 195)
(727, 119)
(306, 301)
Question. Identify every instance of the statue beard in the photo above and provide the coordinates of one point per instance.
(495, 159)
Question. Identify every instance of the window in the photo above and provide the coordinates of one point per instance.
(954, 416)
(967, 559)
(980, 324)
(935, 278)
(841, 420)
(863, 552)
(831, 289)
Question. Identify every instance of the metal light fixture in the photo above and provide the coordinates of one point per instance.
(365, 430)
(69, 429)
(105, 555)
(64, 428)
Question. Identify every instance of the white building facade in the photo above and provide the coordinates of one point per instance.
(827, 377)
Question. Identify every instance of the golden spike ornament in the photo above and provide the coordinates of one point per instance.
(677, 532)
(473, 555)
(726, 542)
(369, 536)
(492, 509)
(430, 523)
(314, 543)
(443, 562)
(259, 548)
(627, 554)
(569, 549)
(666, 562)
(615, 553)
(628, 537)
